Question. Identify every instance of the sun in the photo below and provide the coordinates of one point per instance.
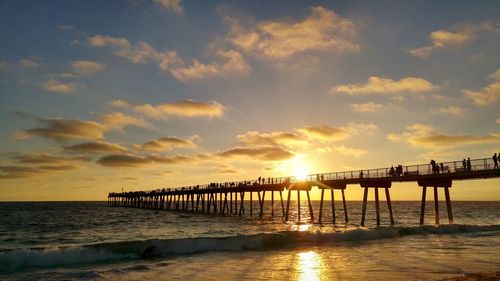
(300, 172)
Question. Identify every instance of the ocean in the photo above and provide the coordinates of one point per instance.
(91, 241)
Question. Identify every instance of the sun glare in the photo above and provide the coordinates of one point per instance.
(300, 172)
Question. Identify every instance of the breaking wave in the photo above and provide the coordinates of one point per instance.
(12, 260)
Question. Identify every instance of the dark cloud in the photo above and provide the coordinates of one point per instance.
(168, 143)
(96, 147)
(122, 160)
(125, 160)
(64, 129)
(46, 158)
(15, 172)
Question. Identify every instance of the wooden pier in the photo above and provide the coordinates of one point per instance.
(229, 197)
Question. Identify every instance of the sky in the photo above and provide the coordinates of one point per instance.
(100, 96)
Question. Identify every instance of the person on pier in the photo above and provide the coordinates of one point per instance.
(392, 173)
(464, 163)
(495, 160)
(433, 164)
(469, 166)
(361, 174)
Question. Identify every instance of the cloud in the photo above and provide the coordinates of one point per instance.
(265, 153)
(123, 160)
(15, 172)
(426, 136)
(380, 85)
(231, 62)
(452, 110)
(96, 147)
(168, 143)
(131, 161)
(46, 158)
(64, 129)
(138, 54)
(488, 94)
(462, 35)
(27, 63)
(366, 107)
(325, 133)
(306, 136)
(118, 120)
(274, 138)
(103, 41)
(185, 108)
(498, 120)
(322, 30)
(495, 76)
(84, 67)
(234, 64)
(55, 86)
(172, 5)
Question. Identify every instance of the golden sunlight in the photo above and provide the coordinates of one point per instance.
(309, 265)
(297, 167)
(300, 172)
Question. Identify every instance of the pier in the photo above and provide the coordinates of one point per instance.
(228, 197)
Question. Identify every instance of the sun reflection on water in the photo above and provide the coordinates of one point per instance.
(309, 266)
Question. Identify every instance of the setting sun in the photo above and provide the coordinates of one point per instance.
(300, 172)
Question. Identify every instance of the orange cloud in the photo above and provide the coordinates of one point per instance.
(322, 30)
(488, 94)
(185, 108)
(462, 35)
(118, 120)
(233, 64)
(380, 85)
(422, 135)
(274, 138)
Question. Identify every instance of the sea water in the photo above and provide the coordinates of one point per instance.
(89, 240)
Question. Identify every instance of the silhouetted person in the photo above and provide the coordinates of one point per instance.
(433, 164)
(322, 177)
(361, 174)
(464, 163)
(495, 160)
(442, 168)
(392, 172)
(469, 166)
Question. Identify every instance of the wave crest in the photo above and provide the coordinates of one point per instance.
(12, 260)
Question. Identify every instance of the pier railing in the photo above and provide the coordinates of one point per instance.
(452, 167)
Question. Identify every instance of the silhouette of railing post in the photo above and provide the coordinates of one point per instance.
(376, 184)
(328, 184)
(436, 183)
